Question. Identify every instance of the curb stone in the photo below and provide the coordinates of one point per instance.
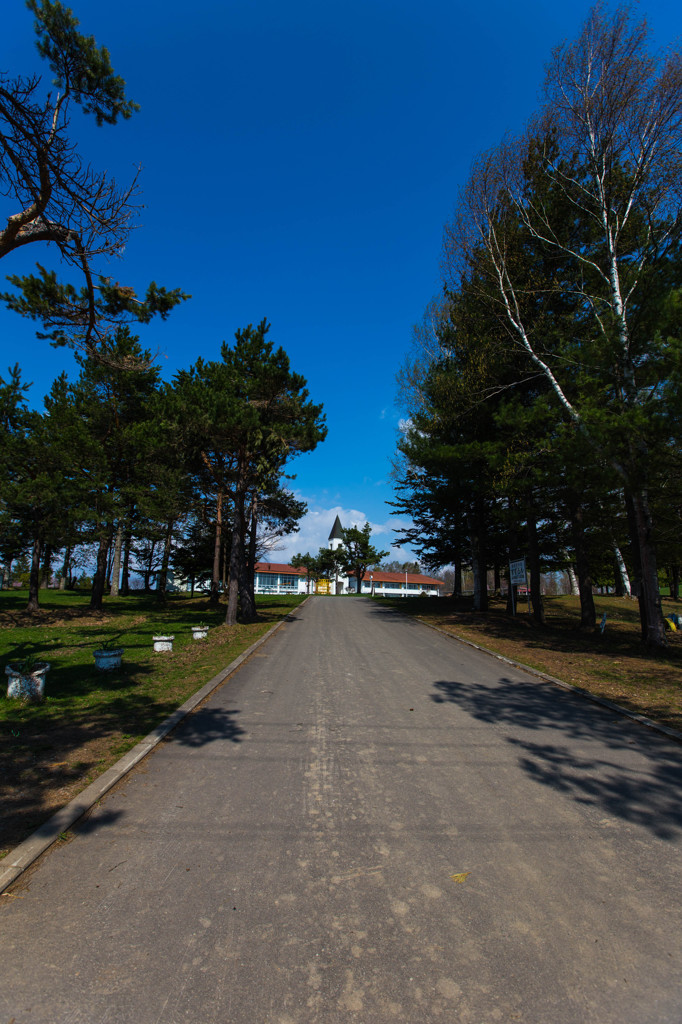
(22, 856)
(674, 734)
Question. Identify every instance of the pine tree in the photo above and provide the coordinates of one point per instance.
(58, 198)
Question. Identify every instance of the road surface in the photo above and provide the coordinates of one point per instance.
(368, 823)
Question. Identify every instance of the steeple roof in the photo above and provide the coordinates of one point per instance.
(337, 530)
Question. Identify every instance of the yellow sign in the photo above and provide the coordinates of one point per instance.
(323, 587)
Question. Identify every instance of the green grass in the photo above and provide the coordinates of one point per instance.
(49, 751)
(68, 635)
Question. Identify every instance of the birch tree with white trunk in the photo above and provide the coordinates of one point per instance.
(595, 184)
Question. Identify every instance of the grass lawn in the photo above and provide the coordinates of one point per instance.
(51, 751)
(613, 665)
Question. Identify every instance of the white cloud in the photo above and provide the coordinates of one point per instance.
(317, 524)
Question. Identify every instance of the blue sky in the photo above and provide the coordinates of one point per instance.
(299, 161)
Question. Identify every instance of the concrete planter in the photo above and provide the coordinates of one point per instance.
(199, 632)
(163, 643)
(108, 658)
(27, 684)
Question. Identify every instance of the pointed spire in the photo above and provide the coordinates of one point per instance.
(337, 530)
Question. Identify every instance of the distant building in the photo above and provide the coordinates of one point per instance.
(397, 584)
(276, 578)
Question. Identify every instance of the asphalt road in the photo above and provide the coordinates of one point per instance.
(370, 823)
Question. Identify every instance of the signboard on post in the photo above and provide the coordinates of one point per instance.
(517, 578)
(517, 572)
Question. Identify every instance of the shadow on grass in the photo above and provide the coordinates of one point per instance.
(82, 680)
(560, 634)
(37, 754)
(46, 752)
(631, 774)
(50, 751)
(65, 606)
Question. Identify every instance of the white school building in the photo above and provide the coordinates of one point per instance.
(277, 578)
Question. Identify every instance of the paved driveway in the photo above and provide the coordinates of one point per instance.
(371, 823)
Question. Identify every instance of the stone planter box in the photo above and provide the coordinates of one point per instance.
(199, 632)
(163, 643)
(108, 659)
(29, 685)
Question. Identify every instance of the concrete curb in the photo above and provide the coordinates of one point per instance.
(16, 862)
(602, 701)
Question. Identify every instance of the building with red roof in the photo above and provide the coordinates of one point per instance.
(278, 578)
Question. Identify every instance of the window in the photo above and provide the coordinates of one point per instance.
(267, 579)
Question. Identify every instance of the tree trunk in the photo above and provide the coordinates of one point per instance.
(573, 581)
(618, 588)
(480, 596)
(457, 585)
(236, 558)
(47, 566)
(66, 565)
(497, 587)
(100, 577)
(162, 579)
(247, 598)
(127, 545)
(622, 579)
(479, 560)
(110, 563)
(215, 577)
(588, 614)
(646, 574)
(150, 569)
(34, 578)
(675, 582)
(247, 583)
(116, 565)
(223, 561)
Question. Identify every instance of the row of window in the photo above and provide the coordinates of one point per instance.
(392, 586)
(273, 579)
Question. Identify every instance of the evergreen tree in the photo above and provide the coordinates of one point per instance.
(39, 483)
(356, 554)
(594, 185)
(58, 198)
(109, 411)
(246, 417)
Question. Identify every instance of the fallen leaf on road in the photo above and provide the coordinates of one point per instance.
(460, 877)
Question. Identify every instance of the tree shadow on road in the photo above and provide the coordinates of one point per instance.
(635, 775)
(206, 725)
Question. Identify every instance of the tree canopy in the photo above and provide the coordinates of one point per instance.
(545, 392)
(356, 553)
(54, 195)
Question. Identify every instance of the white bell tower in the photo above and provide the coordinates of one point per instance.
(336, 536)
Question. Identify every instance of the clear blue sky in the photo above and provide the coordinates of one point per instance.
(299, 161)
